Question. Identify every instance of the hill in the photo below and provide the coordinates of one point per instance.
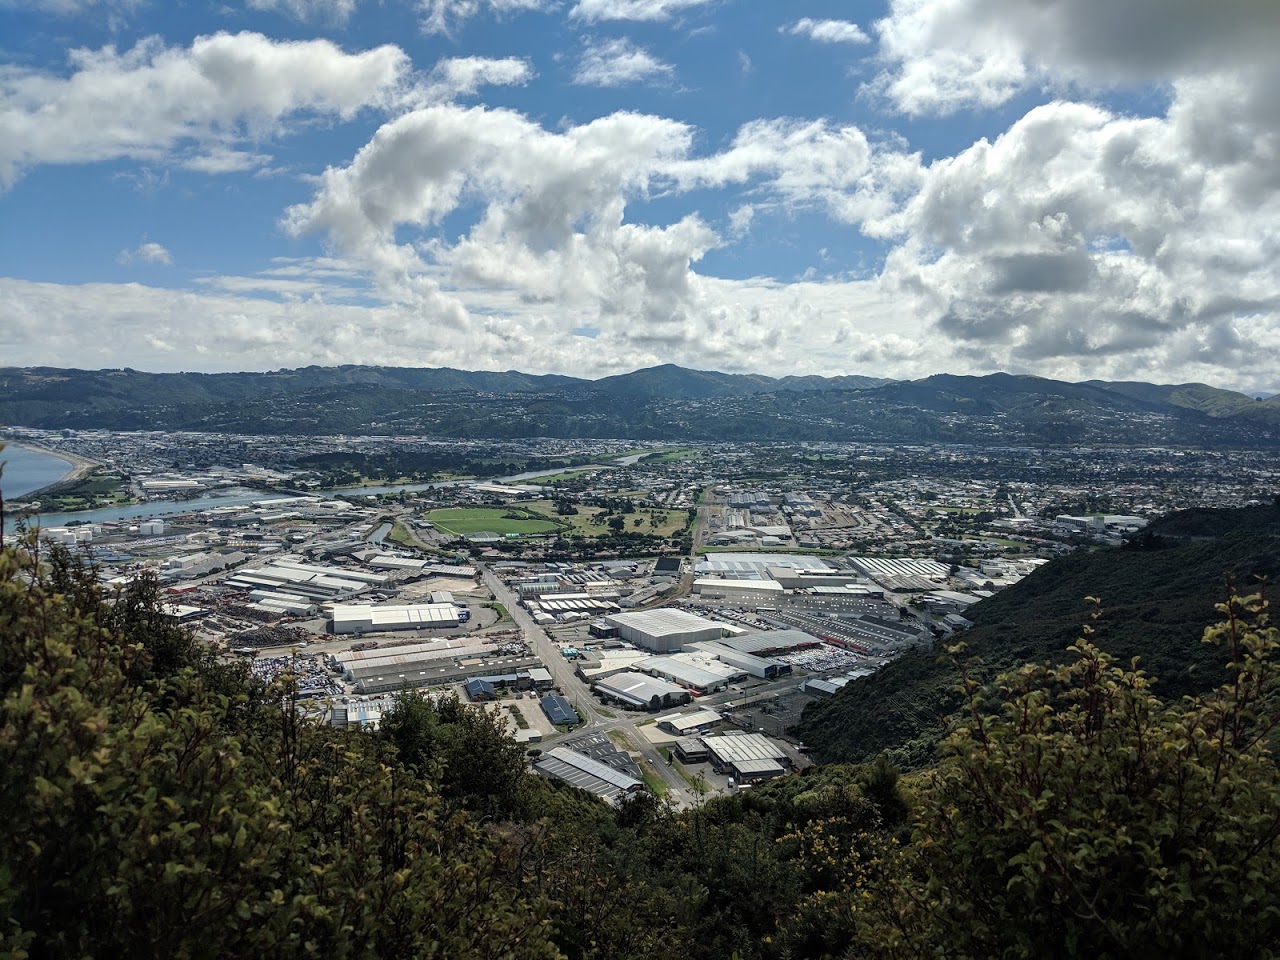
(668, 403)
(1155, 606)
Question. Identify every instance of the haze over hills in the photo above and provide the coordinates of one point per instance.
(666, 402)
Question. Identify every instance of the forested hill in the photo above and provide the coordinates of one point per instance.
(1156, 603)
(666, 403)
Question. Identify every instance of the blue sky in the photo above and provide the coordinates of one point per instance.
(590, 186)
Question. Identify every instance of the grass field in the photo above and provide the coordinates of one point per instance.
(463, 522)
(590, 522)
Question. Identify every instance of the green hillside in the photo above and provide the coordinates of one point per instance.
(1155, 606)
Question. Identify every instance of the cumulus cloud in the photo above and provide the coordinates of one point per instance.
(151, 252)
(327, 11)
(618, 62)
(593, 11)
(150, 101)
(1082, 239)
(828, 31)
(944, 55)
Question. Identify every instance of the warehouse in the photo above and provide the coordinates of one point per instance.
(756, 565)
(639, 692)
(421, 673)
(761, 668)
(738, 591)
(685, 724)
(365, 618)
(559, 711)
(747, 757)
(703, 674)
(582, 771)
(355, 663)
(664, 631)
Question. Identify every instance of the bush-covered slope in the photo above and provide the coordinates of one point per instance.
(1155, 606)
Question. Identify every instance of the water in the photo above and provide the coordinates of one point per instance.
(26, 470)
(157, 508)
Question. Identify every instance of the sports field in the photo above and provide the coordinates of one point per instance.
(462, 522)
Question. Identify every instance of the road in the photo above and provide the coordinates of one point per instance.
(579, 694)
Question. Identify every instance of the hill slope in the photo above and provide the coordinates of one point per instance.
(1156, 604)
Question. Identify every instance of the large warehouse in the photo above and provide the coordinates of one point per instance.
(365, 618)
(640, 692)
(664, 631)
(747, 757)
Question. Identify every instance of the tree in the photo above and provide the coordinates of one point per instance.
(150, 812)
(1075, 814)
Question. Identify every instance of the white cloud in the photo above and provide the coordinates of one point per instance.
(152, 101)
(327, 11)
(615, 63)
(444, 16)
(150, 252)
(945, 55)
(828, 31)
(594, 11)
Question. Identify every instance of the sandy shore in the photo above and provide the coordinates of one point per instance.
(80, 466)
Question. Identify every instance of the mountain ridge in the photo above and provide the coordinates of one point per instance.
(666, 402)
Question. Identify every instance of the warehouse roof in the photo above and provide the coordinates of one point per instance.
(589, 774)
(683, 672)
(638, 688)
(659, 623)
(558, 709)
(737, 748)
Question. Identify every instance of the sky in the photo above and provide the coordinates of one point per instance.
(1075, 189)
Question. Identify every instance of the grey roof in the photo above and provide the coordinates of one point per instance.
(658, 623)
(759, 640)
(584, 772)
(558, 709)
(638, 688)
(746, 746)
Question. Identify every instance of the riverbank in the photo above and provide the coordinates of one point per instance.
(79, 467)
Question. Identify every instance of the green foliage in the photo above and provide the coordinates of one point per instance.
(148, 814)
(1075, 814)
(1157, 605)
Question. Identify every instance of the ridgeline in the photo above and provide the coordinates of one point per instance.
(1156, 596)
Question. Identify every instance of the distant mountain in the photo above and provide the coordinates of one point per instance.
(667, 403)
(1156, 603)
(678, 383)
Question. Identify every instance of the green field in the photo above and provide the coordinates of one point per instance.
(560, 477)
(462, 522)
(591, 521)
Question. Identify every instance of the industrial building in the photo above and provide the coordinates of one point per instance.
(757, 565)
(756, 651)
(664, 630)
(703, 674)
(559, 710)
(640, 692)
(904, 573)
(307, 581)
(737, 591)
(365, 618)
(607, 783)
(747, 757)
(685, 724)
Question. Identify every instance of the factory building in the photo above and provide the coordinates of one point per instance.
(747, 757)
(664, 631)
(307, 581)
(607, 783)
(365, 618)
(749, 592)
(559, 710)
(755, 651)
(687, 724)
(702, 674)
(637, 691)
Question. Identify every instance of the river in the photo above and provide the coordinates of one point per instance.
(26, 470)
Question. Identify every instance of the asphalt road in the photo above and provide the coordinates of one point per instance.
(579, 694)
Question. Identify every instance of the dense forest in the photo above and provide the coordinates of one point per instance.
(159, 804)
(1156, 597)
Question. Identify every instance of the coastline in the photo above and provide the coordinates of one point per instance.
(80, 467)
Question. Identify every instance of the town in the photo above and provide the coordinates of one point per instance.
(641, 617)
